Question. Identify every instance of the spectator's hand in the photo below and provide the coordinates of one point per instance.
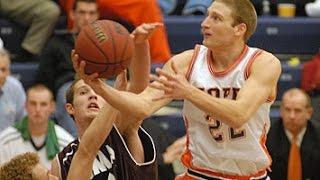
(174, 151)
(144, 31)
(175, 86)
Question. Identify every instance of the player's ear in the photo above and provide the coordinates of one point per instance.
(69, 108)
(240, 29)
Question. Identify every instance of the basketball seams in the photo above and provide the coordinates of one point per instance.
(94, 62)
(125, 47)
(95, 43)
(113, 43)
(99, 55)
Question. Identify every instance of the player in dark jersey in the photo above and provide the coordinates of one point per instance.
(127, 151)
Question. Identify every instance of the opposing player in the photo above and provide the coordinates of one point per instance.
(228, 89)
(127, 151)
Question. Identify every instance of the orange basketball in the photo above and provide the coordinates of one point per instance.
(106, 46)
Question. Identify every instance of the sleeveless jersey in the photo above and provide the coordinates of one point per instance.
(213, 148)
(114, 161)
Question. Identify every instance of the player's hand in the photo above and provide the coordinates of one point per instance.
(121, 81)
(91, 79)
(174, 151)
(175, 86)
(144, 31)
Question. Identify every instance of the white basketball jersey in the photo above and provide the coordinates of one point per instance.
(213, 148)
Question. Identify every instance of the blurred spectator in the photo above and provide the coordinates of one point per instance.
(294, 141)
(169, 148)
(313, 9)
(39, 16)
(135, 12)
(36, 132)
(12, 95)
(300, 6)
(55, 67)
(1, 43)
(24, 166)
(184, 7)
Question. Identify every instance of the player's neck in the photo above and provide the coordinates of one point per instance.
(224, 57)
(82, 126)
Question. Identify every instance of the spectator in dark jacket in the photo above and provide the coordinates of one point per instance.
(294, 141)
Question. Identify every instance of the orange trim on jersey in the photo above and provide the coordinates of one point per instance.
(253, 57)
(263, 140)
(248, 72)
(193, 60)
(230, 68)
(187, 157)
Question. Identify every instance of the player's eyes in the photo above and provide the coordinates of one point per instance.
(83, 92)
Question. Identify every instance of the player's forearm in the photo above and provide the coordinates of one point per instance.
(140, 68)
(98, 130)
(126, 102)
(234, 113)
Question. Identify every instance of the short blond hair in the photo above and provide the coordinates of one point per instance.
(243, 11)
(20, 167)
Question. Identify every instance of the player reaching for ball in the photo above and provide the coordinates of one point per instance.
(227, 88)
(126, 150)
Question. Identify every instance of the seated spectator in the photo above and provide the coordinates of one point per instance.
(55, 67)
(36, 132)
(294, 141)
(135, 12)
(12, 95)
(39, 16)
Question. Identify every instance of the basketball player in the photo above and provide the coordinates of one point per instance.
(127, 151)
(228, 89)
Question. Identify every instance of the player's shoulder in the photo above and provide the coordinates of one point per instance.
(267, 57)
(182, 60)
(266, 60)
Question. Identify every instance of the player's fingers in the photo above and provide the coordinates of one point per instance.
(175, 68)
(81, 68)
(92, 76)
(160, 72)
(160, 87)
(161, 80)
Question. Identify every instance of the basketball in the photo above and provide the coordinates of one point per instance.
(106, 47)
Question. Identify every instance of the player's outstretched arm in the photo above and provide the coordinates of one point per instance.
(260, 85)
(140, 64)
(139, 106)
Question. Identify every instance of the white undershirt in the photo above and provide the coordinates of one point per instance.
(38, 140)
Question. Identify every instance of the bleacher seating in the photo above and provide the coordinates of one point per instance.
(277, 35)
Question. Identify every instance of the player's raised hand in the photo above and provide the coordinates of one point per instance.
(91, 79)
(121, 81)
(144, 31)
(175, 85)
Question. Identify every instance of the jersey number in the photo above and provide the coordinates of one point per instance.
(215, 125)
